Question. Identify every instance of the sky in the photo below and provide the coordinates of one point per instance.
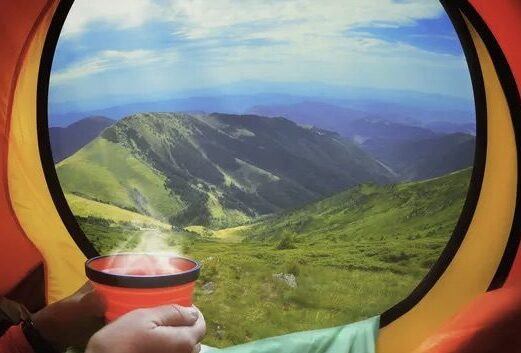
(126, 50)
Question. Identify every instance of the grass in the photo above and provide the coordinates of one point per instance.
(408, 211)
(354, 255)
(82, 207)
(337, 284)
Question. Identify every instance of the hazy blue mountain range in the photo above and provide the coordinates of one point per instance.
(411, 149)
(243, 97)
(340, 118)
(449, 127)
(427, 157)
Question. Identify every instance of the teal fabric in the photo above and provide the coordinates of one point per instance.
(359, 337)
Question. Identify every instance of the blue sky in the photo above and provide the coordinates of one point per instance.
(124, 50)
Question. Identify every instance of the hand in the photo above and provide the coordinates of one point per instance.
(73, 320)
(164, 329)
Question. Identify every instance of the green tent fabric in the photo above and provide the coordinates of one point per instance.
(359, 337)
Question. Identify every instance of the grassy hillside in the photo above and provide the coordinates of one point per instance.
(107, 172)
(214, 170)
(82, 207)
(368, 212)
(353, 255)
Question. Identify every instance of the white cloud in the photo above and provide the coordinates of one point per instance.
(305, 40)
(118, 13)
(202, 18)
(110, 60)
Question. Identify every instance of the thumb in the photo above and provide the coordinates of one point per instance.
(173, 315)
(92, 301)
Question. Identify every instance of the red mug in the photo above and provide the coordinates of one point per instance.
(132, 281)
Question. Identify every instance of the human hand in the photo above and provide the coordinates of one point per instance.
(73, 320)
(163, 329)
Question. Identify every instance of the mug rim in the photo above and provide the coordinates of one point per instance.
(142, 281)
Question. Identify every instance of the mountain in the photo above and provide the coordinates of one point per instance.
(411, 150)
(396, 212)
(243, 95)
(65, 141)
(373, 130)
(363, 124)
(425, 158)
(326, 116)
(449, 127)
(216, 169)
(339, 115)
(231, 103)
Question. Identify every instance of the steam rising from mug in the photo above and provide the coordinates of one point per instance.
(155, 245)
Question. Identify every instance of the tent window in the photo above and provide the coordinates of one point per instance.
(315, 159)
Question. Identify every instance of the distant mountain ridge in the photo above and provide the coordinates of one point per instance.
(216, 169)
(65, 141)
(412, 152)
(246, 96)
(428, 157)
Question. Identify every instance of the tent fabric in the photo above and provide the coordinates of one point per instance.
(16, 27)
(502, 17)
(32, 231)
(28, 189)
(359, 337)
(490, 323)
(474, 266)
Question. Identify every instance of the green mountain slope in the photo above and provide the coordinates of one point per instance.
(83, 208)
(413, 210)
(107, 172)
(218, 170)
(353, 255)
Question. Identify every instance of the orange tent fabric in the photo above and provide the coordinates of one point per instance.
(491, 323)
(18, 21)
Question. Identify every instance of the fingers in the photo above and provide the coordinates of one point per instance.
(198, 329)
(173, 315)
(182, 339)
(193, 334)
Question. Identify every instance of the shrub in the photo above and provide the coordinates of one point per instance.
(287, 242)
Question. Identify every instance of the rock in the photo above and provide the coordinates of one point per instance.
(208, 287)
(288, 278)
(220, 333)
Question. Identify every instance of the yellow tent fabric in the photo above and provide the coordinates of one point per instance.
(28, 189)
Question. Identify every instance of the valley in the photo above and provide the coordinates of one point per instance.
(352, 255)
(296, 227)
(218, 170)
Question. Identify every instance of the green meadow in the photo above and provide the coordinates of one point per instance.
(338, 260)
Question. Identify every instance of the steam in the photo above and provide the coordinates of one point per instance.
(149, 253)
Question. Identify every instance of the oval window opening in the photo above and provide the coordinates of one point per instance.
(315, 159)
